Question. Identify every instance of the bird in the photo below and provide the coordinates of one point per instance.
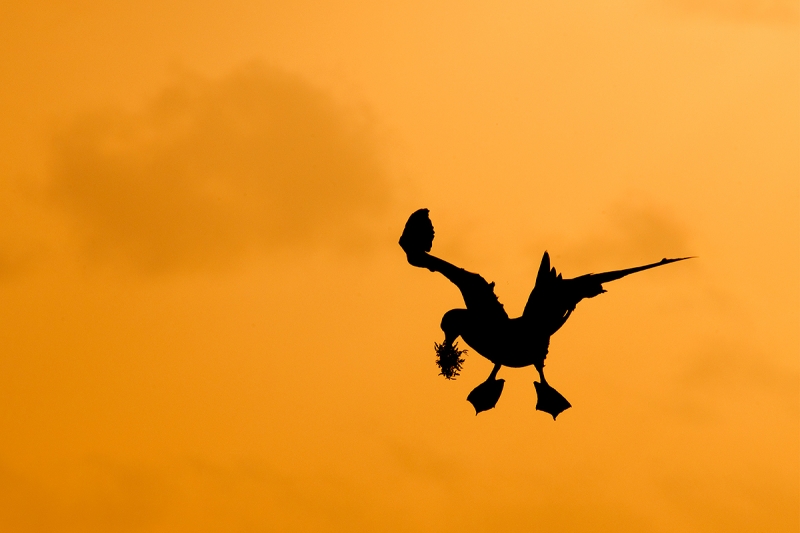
(484, 325)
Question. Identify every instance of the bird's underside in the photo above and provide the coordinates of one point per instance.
(485, 326)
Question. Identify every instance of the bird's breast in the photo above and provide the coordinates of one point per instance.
(508, 343)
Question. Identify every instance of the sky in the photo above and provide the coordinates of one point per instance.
(207, 324)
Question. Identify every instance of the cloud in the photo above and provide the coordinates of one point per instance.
(26, 230)
(209, 169)
(95, 496)
(181, 494)
(424, 463)
(771, 11)
(735, 368)
(632, 232)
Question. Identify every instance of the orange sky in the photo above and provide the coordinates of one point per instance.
(207, 324)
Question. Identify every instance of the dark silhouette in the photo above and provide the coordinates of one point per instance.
(485, 326)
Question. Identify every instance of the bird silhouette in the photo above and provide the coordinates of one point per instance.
(485, 326)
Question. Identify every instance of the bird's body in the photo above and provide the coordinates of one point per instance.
(485, 326)
(514, 342)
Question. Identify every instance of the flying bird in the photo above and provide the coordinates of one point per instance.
(485, 326)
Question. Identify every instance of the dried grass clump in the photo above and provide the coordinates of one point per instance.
(448, 359)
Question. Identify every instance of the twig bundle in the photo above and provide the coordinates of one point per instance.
(448, 359)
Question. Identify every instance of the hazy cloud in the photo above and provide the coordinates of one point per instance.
(631, 233)
(259, 159)
(725, 365)
(25, 228)
(424, 463)
(179, 495)
(99, 496)
(773, 11)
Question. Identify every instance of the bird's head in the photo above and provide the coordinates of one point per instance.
(453, 324)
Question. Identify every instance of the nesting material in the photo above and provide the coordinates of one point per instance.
(448, 359)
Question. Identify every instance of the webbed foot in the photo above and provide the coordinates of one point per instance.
(485, 396)
(550, 400)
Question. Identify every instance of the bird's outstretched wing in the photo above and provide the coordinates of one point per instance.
(478, 294)
(554, 298)
(418, 233)
(417, 240)
(549, 304)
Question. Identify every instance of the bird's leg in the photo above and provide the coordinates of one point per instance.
(548, 399)
(540, 370)
(485, 396)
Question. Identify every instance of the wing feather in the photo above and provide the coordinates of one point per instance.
(554, 298)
